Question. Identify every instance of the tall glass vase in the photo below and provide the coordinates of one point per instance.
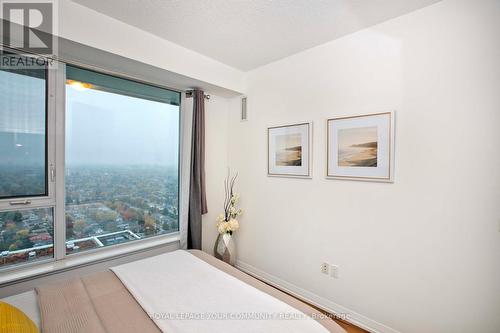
(225, 249)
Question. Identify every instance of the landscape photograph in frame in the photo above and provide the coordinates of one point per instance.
(289, 150)
(357, 147)
(361, 147)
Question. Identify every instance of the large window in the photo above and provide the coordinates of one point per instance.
(122, 160)
(116, 176)
(26, 233)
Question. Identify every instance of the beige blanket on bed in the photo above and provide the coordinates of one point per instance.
(100, 303)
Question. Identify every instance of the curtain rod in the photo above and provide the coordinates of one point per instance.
(189, 94)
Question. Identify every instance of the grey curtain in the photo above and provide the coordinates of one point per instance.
(197, 195)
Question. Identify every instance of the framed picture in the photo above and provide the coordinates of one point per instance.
(289, 150)
(361, 147)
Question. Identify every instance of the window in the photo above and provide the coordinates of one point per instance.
(122, 160)
(26, 201)
(23, 169)
(118, 161)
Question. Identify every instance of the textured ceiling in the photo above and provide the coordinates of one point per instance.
(247, 34)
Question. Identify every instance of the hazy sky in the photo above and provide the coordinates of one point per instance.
(356, 136)
(288, 141)
(22, 120)
(110, 129)
(22, 103)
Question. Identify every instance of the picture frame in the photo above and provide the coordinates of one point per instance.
(361, 147)
(289, 150)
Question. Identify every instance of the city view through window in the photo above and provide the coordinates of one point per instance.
(25, 235)
(121, 175)
(121, 168)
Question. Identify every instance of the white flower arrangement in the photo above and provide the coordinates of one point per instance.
(227, 222)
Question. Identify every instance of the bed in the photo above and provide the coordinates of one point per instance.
(180, 291)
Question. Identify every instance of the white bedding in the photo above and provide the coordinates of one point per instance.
(182, 293)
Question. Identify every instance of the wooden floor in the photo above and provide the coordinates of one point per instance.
(350, 328)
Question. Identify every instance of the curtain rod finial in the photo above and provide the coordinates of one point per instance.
(189, 94)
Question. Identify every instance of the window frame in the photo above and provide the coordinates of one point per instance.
(48, 198)
(60, 252)
(56, 198)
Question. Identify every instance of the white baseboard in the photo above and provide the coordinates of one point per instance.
(316, 300)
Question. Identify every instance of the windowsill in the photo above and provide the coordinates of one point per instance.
(84, 259)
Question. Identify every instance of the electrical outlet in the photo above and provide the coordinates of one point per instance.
(334, 271)
(325, 268)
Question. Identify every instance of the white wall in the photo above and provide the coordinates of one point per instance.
(419, 255)
(217, 111)
(86, 26)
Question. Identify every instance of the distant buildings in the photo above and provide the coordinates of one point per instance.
(104, 206)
